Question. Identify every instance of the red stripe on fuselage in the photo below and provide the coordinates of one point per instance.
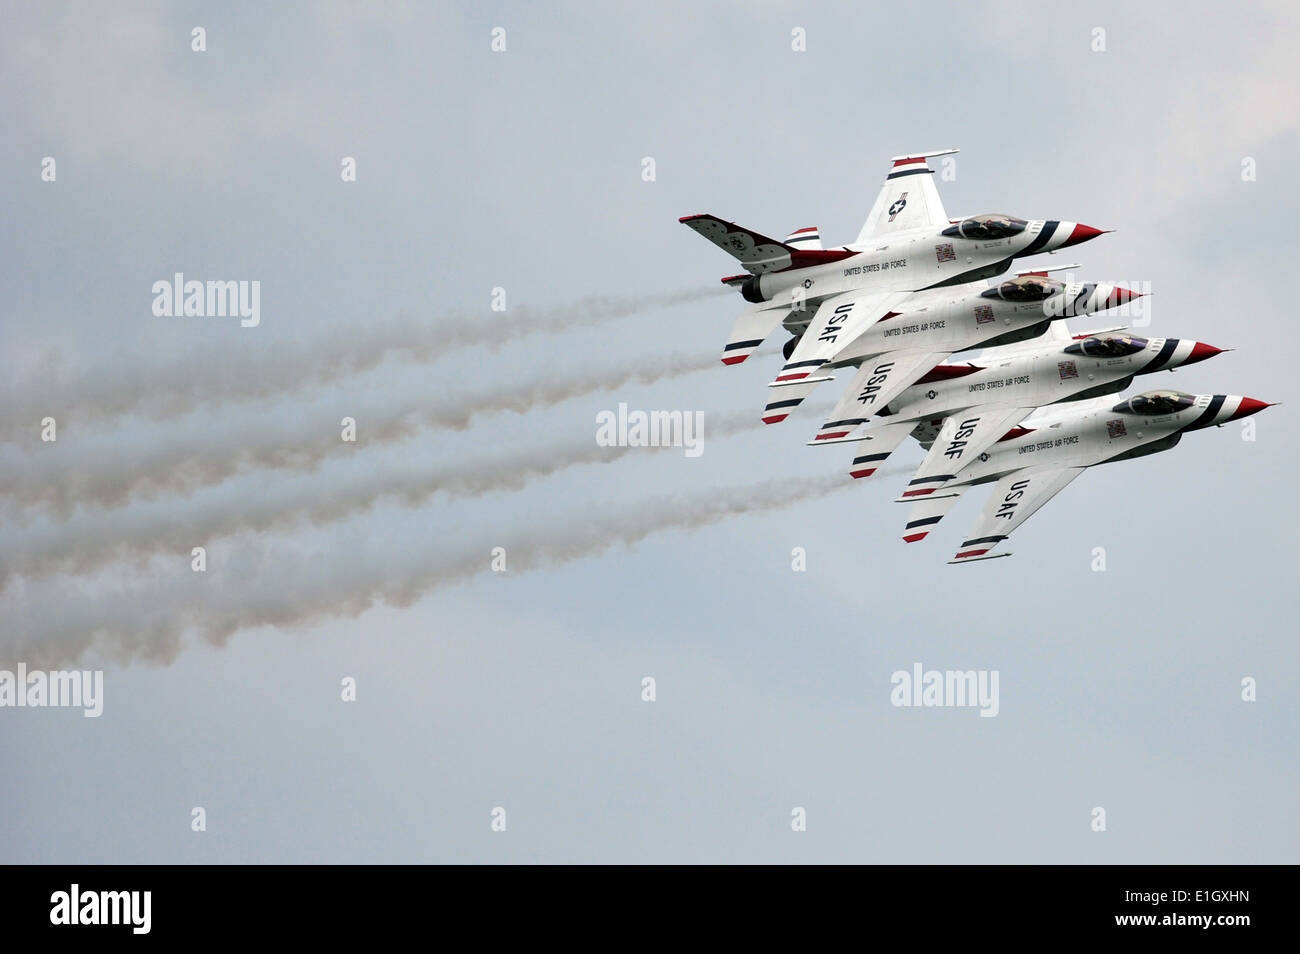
(809, 257)
(946, 372)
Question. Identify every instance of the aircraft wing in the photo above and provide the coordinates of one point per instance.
(1015, 499)
(878, 381)
(907, 200)
(962, 438)
(837, 321)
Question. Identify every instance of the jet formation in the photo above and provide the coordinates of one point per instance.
(1027, 408)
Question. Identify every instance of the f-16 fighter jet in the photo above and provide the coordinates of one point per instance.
(959, 410)
(907, 244)
(895, 349)
(1048, 450)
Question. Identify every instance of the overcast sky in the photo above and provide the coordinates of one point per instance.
(522, 170)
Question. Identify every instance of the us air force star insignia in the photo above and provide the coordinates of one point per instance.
(807, 283)
(984, 457)
(932, 394)
(897, 207)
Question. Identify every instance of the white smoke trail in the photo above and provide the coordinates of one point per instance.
(153, 625)
(58, 479)
(251, 371)
(89, 543)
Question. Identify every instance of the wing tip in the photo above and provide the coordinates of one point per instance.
(915, 156)
(973, 556)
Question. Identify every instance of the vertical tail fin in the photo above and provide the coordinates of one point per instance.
(806, 238)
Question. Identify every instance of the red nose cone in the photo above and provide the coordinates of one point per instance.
(1248, 407)
(1082, 233)
(1201, 351)
(1121, 296)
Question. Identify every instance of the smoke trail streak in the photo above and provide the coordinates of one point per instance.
(86, 545)
(152, 625)
(204, 457)
(251, 372)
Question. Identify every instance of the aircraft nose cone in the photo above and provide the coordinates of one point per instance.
(1201, 351)
(1248, 407)
(1082, 233)
(1121, 296)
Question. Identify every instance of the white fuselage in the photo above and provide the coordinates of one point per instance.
(958, 318)
(1089, 434)
(1030, 378)
(916, 260)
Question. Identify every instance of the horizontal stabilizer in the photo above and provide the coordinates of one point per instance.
(756, 252)
(877, 444)
(926, 513)
(750, 331)
(786, 399)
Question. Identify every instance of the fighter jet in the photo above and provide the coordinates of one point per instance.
(1039, 458)
(907, 244)
(893, 350)
(957, 410)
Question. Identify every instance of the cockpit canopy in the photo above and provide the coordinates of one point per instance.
(1156, 403)
(1107, 346)
(992, 226)
(1025, 288)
